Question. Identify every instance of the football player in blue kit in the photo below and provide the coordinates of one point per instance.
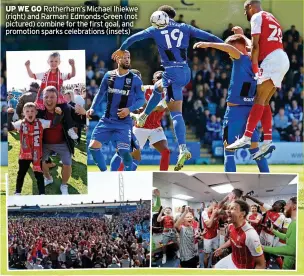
(240, 99)
(172, 42)
(124, 95)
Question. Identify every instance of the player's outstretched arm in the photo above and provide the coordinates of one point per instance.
(134, 38)
(291, 244)
(195, 32)
(229, 49)
(254, 200)
(129, 41)
(255, 53)
(28, 69)
(101, 92)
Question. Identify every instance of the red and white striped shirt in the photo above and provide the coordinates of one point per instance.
(245, 244)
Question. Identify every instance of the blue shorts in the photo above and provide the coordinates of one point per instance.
(134, 143)
(235, 121)
(174, 79)
(112, 131)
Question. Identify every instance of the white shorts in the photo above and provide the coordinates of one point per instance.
(226, 263)
(211, 244)
(274, 67)
(153, 135)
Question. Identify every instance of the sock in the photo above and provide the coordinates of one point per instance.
(229, 162)
(98, 159)
(253, 119)
(153, 101)
(262, 163)
(135, 165)
(266, 121)
(179, 128)
(121, 167)
(115, 162)
(165, 160)
(126, 158)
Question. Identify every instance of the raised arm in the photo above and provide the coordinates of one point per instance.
(254, 200)
(179, 222)
(130, 40)
(160, 216)
(195, 32)
(72, 63)
(229, 49)
(28, 69)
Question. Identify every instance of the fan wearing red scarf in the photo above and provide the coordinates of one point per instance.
(53, 77)
(31, 132)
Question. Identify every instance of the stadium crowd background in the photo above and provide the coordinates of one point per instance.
(205, 95)
(81, 237)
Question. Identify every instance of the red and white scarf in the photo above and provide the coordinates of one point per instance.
(31, 143)
(44, 84)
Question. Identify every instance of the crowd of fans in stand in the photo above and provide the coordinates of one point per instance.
(205, 96)
(63, 243)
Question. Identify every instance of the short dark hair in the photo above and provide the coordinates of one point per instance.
(157, 75)
(282, 203)
(294, 199)
(244, 207)
(238, 192)
(54, 54)
(168, 10)
(236, 38)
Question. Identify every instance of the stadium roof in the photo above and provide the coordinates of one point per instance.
(83, 205)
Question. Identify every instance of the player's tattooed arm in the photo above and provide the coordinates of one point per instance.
(161, 215)
(29, 71)
(229, 49)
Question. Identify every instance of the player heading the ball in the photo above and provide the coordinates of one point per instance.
(172, 42)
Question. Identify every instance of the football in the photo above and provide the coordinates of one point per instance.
(159, 20)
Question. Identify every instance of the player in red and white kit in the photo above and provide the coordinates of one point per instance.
(254, 218)
(268, 54)
(211, 226)
(152, 129)
(273, 215)
(247, 252)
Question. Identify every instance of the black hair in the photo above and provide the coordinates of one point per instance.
(238, 192)
(294, 199)
(168, 10)
(244, 207)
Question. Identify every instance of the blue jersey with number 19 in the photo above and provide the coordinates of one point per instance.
(172, 41)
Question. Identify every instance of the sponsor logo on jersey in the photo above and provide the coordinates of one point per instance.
(248, 99)
(118, 91)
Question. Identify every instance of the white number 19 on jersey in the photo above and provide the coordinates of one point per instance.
(176, 34)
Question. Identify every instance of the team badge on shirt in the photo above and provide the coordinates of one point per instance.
(128, 81)
(259, 249)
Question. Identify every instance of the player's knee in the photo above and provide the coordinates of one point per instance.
(94, 144)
